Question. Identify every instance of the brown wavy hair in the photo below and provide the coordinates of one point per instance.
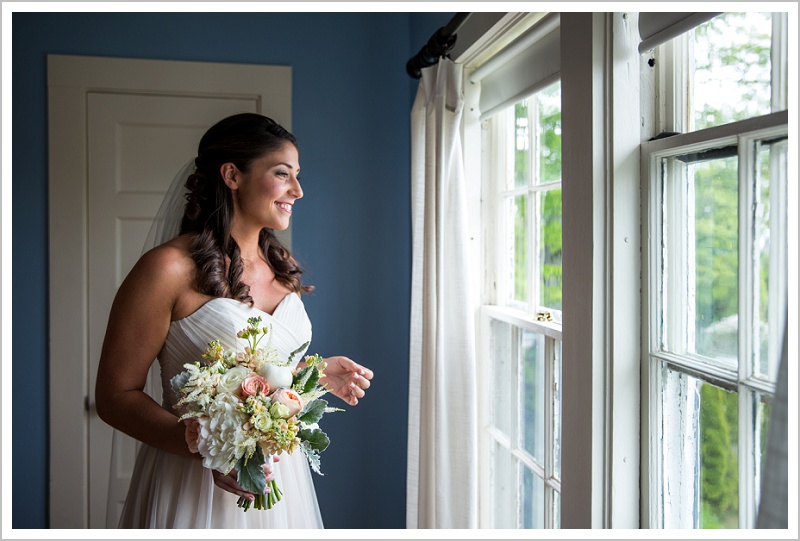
(238, 139)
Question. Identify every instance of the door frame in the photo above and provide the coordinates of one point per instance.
(69, 79)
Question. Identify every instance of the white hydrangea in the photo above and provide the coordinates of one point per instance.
(222, 440)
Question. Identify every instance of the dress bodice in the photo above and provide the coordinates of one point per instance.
(221, 319)
(169, 490)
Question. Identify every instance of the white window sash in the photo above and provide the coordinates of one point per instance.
(742, 378)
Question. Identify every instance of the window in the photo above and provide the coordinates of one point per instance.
(522, 350)
(716, 269)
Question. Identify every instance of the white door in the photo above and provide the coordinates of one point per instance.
(136, 138)
(136, 144)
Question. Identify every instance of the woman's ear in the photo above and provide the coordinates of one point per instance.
(230, 176)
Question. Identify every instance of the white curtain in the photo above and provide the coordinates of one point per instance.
(442, 427)
(773, 509)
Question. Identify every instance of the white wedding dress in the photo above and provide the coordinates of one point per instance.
(171, 491)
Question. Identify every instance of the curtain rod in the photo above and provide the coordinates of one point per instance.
(438, 46)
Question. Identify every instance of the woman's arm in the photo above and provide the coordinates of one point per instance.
(137, 327)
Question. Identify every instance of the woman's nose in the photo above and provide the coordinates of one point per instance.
(296, 190)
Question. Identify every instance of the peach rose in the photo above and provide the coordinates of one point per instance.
(288, 398)
(254, 384)
(192, 433)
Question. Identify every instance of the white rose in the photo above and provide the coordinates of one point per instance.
(279, 411)
(262, 421)
(277, 376)
(232, 379)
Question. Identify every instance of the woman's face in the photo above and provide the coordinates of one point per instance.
(264, 195)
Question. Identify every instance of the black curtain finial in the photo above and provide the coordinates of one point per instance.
(438, 46)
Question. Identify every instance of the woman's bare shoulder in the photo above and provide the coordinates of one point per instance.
(169, 265)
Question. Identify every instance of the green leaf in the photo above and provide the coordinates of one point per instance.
(313, 458)
(306, 379)
(313, 378)
(295, 352)
(299, 381)
(314, 438)
(251, 473)
(313, 411)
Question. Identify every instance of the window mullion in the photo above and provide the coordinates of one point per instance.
(748, 279)
(749, 300)
(778, 255)
(747, 458)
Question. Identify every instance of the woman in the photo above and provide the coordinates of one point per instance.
(224, 266)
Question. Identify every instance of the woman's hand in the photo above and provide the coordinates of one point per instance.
(346, 379)
(229, 482)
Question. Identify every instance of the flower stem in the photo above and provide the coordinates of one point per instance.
(262, 501)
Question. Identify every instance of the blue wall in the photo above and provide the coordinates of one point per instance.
(351, 231)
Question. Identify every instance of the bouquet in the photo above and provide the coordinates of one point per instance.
(243, 407)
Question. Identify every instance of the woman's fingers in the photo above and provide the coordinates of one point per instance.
(361, 381)
(359, 384)
(230, 484)
(269, 471)
(365, 372)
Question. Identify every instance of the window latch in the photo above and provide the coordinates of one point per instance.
(544, 316)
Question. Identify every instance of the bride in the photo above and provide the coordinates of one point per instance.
(223, 265)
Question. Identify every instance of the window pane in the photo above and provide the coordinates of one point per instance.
(502, 364)
(522, 144)
(719, 462)
(770, 264)
(699, 453)
(504, 487)
(518, 245)
(550, 249)
(532, 395)
(549, 120)
(732, 68)
(716, 257)
(532, 499)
